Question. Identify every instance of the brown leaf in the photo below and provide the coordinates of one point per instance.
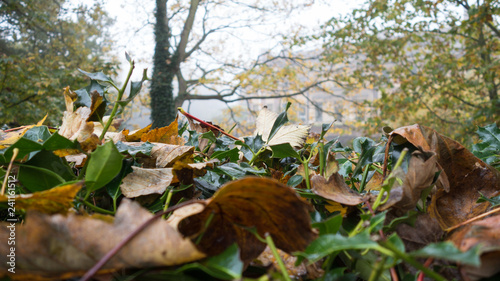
(167, 154)
(56, 200)
(69, 245)
(137, 134)
(262, 203)
(467, 175)
(421, 173)
(75, 125)
(168, 134)
(335, 189)
(147, 181)
(486, 233)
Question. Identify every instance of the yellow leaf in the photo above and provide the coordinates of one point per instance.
(56, 200)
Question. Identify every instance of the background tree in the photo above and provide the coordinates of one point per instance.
(42, 44)
(434, 62)
(186, 29)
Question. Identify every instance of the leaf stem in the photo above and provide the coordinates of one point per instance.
(119, 98)
(167, 202)
(270, 243)
(378, 269)
(95, 208)
(6, 177)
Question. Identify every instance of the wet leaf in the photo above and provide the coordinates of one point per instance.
(262, 203)
(335, 189)
(466, 173)
(69, 245)
(56, 200)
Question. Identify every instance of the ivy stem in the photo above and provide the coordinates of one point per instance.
(386, 181)
(119, 98)
(306, 173)
(167, 202)
(363, 180)
(378, 270)
(6, 177)
(270, 243)
(95, 208)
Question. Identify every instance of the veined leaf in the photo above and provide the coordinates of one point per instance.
(105, 163)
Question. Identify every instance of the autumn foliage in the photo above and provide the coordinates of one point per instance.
(187, 201)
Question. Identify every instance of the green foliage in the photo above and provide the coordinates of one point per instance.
(432, 62)
(43, 43)
(488, 149)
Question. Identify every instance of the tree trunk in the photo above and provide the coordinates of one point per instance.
(162, 99)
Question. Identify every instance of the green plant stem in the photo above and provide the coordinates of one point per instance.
(257, 155)
(306, 173)
(270, 243)
(378, 269)
(413, 262)
(363, 180)
(167, 202)
(119, 98)
(95, 208)
(322, 158)
(378, 201)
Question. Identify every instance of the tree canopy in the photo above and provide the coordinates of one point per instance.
(434, 62)
(42, 45)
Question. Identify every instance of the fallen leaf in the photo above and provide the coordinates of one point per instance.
(75, 125)
(168, 134)
(137, 134)
(55, 200)
(486, 233)
(11, 137)
(467, 176)
(167, 154)
(295, 135)
(262, 203)
(335, 189)
(420, 176)
(69, 245)
(147, 181)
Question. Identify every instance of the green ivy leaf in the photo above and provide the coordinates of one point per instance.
(488, 149)
(37, 134)
(104, 164)
(57, 141)
(98, 76)
(132, 150)
(448, 251)
(330, 243)
(284, 150)
(135, 88)
(295, 180)
(38, 179)
(232, 154)
(238, 171)
(329, 226)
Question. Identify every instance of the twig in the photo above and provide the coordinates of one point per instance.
(472, 219)
(427, 263)
(205, 123)
(129, 237)
(14, 155)
(386, 156)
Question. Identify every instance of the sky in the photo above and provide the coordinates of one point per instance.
(133, 32)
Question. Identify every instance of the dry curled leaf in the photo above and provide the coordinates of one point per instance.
(335, 189)
(62, 247)
(262, 203)
(486, 233)
(420, 176)
(75, 125)
(167, 154)
(137, 134)
(467, 175)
